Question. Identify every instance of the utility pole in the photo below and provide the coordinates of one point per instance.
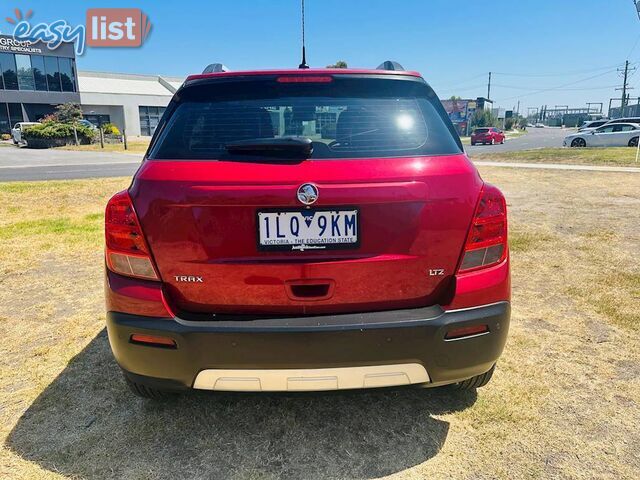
(489, 88)
(594, 103)
(625, 87)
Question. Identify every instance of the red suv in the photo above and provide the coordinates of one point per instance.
(314, 229)
(487, 135)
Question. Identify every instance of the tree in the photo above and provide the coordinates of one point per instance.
(68, 113)
(338, 64)
(483, 118)
(453, 98)
(509, 123)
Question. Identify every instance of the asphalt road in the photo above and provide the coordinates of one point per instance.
(27, 164)
(535, 138)
(30, 164)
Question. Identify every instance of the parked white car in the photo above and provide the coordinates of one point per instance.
(16, 131)
(593, 124)
(610, 135)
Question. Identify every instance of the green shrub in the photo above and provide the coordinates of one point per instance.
(110, 129)
(5, 136)
(58, 131)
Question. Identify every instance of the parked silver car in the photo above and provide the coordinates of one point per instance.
(609, 135)
(593, 124)
(16, 131)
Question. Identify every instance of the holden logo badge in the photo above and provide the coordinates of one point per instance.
(307, 193)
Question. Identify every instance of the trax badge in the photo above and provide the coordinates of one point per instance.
(308, 193)
(188, 279)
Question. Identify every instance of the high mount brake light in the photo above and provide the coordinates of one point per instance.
(487, 241)
(305, 79)
(127, 252)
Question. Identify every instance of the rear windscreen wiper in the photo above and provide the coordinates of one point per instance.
(296, 147)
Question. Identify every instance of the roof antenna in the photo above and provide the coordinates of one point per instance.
(303, 65)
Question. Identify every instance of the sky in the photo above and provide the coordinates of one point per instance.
(553, 52)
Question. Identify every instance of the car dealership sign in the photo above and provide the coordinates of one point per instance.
(10, 44)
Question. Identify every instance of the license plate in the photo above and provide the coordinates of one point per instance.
(308, 229)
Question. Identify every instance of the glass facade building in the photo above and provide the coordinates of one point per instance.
(34, 79)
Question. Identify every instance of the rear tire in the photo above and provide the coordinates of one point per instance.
(145, 391)
(473, 144)
(475, 382)
(578, 143)
(633, 142)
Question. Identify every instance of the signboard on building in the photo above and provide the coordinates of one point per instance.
(460, 112)
(8, 44)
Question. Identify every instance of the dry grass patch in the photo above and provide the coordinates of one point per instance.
(522, 240)
(614, 295)
(564, 401)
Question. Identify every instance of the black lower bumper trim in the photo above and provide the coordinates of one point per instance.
(389, 337)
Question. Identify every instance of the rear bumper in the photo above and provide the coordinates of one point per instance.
(329, 351)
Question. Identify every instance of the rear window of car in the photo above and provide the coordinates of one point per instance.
(481, 130)
(348, 117)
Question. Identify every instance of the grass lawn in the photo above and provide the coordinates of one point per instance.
(618, 156)
(564, 402)
(133, 146)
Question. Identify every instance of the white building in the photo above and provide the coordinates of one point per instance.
(134, 103)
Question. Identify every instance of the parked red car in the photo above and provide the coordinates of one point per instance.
(487, 136)
(316, 229)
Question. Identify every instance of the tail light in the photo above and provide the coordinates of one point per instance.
(127, 252)
(487, 241)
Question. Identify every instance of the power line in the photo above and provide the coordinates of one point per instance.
(558, 87)
(466, 81)
(574, 72)
(474, 87)
(634, 46)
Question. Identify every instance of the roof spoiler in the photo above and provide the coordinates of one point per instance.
(215, 68)
(390, 65)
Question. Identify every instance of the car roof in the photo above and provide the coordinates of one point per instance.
(306, 71)
(624, 119)
(635, 124)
